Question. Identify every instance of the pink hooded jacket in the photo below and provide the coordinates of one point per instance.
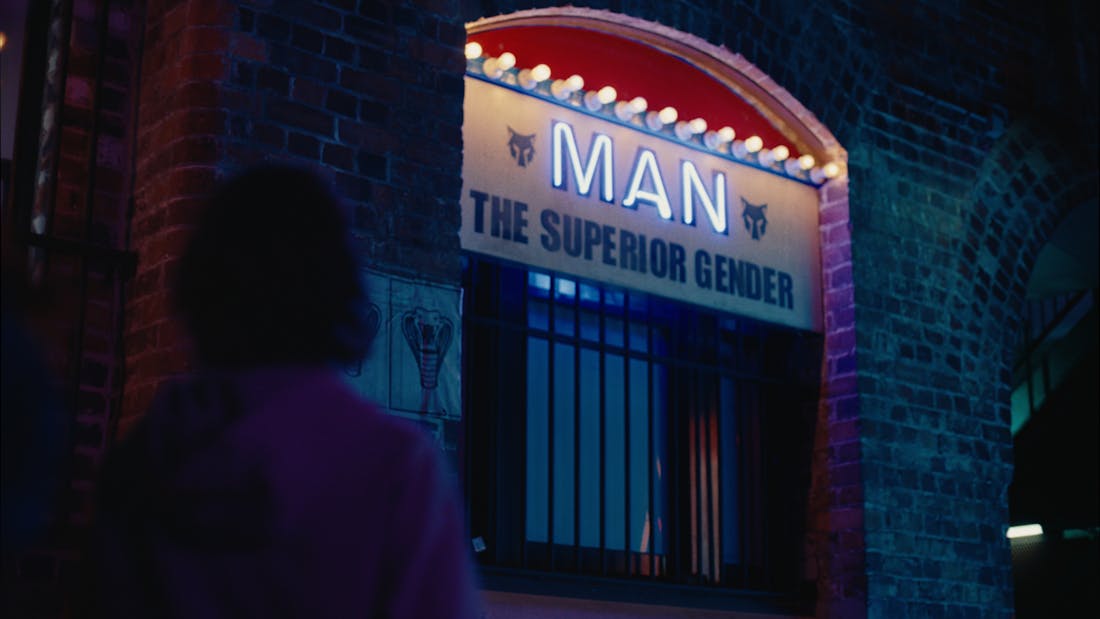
(278, 492)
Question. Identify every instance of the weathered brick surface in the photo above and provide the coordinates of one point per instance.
(970, 129)
(370, 96)
(835, 532)
(181, 130)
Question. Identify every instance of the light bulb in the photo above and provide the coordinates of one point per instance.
(698, 125)
(779, 153)
(668, 115)
(531, 78)
(726, 134)
(540, 73)
(831, 170)
(491, 67)
(595, 100)
(607, 94)
(639, 104)
(506, 61)
(473, 50)
(806, 162)
(754, 144)
(563, 89)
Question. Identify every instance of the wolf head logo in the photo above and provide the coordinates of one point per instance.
(522, 147)
(756, 221)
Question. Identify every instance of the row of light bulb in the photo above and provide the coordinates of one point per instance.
(596, 100)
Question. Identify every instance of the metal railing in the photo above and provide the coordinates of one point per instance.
(612, 433)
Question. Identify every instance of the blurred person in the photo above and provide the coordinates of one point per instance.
(261, 485)
(35, 427)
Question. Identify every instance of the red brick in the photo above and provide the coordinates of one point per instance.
(245, 46)
(203, 67)
(196, 40)
(211, 12)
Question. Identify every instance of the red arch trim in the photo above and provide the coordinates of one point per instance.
(634, 69)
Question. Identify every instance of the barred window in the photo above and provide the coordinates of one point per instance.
(614, 433)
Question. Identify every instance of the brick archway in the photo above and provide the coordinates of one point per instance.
(835, 546)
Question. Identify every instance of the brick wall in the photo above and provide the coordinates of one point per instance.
(963, 154)
(181, 126)
(373, 93)
(370, 96)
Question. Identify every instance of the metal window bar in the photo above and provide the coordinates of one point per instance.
(627, 547)
(714, 474)
(651, 514)
(602, 440)
(522, 520)
(694, 407)
(550, 367)
(576, 431)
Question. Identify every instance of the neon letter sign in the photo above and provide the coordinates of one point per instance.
(647, 163)
(692, 185)
(599, 154)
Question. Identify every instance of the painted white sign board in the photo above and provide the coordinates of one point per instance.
(553, 187)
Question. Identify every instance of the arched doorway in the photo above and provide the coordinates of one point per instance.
(1053, 506)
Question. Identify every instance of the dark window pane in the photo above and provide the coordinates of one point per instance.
(639, 455)
(538, 315)
(538, 285)
(590, 448)
(537, 432)
(614, 453)
(563, 444)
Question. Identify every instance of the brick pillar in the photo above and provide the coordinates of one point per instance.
(181, 134)
(836, 495)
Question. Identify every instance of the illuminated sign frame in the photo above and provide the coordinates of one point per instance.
(580, 209)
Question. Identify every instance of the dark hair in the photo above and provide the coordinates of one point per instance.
(270, 276)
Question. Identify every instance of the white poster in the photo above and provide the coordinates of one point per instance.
(553, 186)
(413, 366)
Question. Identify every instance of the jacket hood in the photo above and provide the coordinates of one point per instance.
(189, 472)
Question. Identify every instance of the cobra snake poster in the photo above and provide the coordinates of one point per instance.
(413, 367)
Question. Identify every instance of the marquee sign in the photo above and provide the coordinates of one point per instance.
(554, 187)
